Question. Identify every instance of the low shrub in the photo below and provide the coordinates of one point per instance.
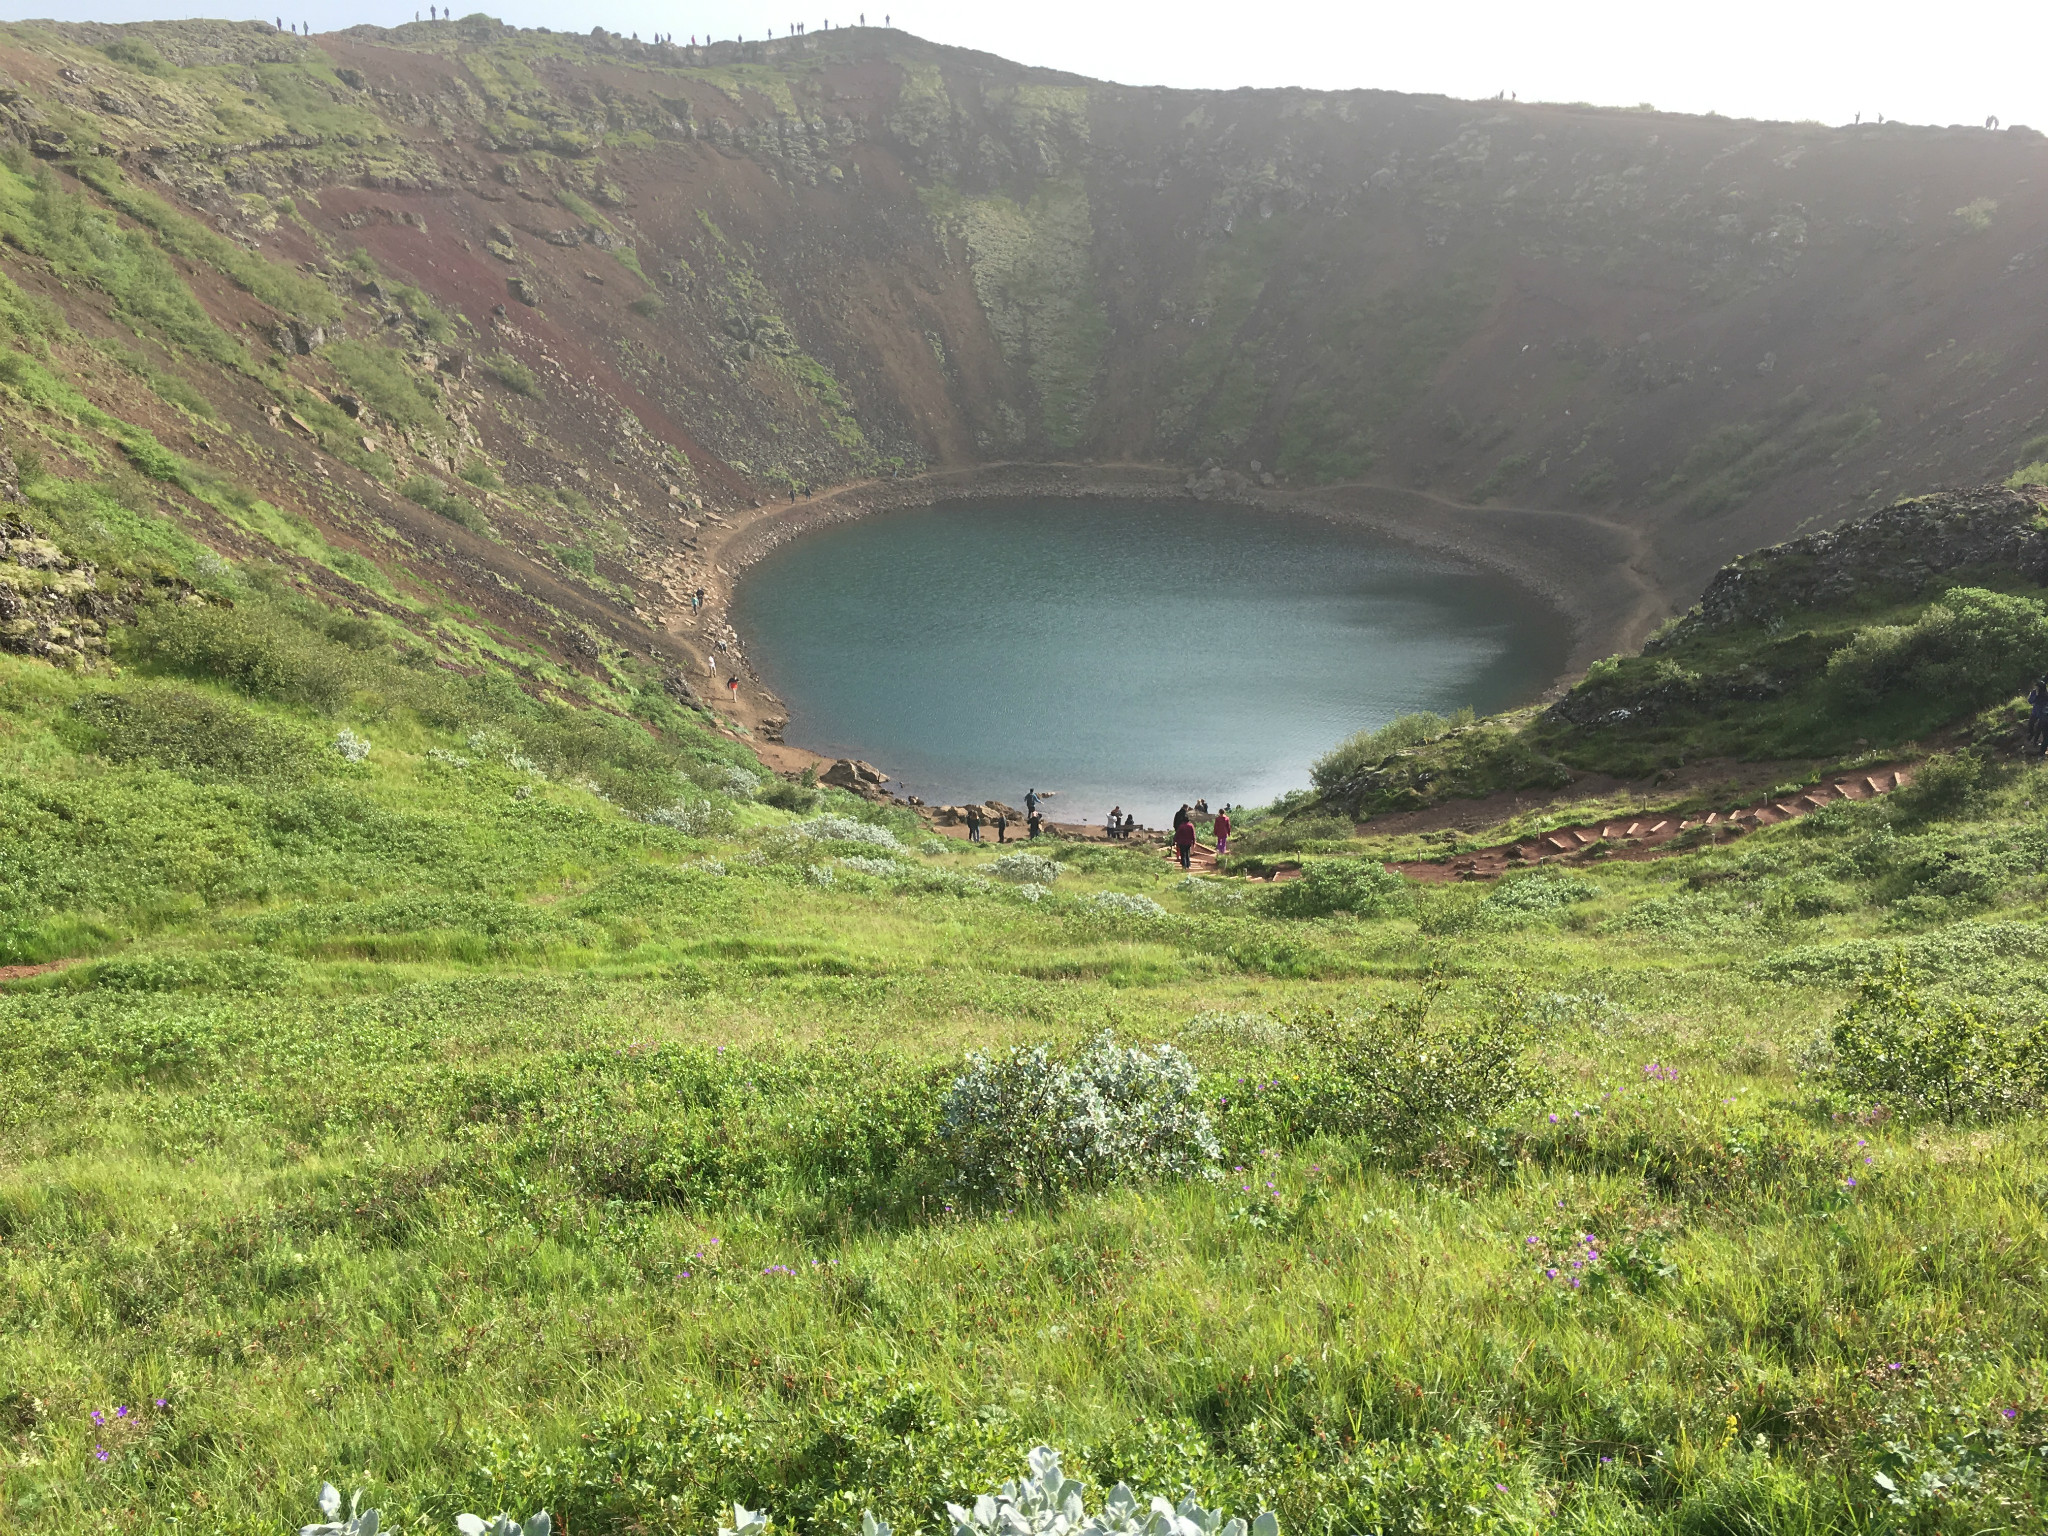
(693, 818)
(422, 490)
(379, 375)
(513, 374)
(194, 733)
(1893, 1047)
(1947, 784)
(1361, 886)
(1024, 1123)
(1399, 1077)
(844, 829)
(1972, 648)
(785, 796)
(1531, 895)
(1209, 895)
(1124, 904)
(256, 649)
(1024, 869)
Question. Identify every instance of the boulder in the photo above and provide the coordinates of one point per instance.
(862, 778)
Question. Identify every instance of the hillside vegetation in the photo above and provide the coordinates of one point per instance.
(437, 1057)
(503, 1104)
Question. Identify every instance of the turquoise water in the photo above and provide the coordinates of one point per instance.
(1123, 652)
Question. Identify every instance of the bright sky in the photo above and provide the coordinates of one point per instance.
(1953, 62)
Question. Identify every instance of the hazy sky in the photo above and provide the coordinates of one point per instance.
(1954, 62)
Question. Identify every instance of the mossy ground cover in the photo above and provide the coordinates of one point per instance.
(521, 1116)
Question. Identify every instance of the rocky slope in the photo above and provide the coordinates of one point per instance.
(521, 317)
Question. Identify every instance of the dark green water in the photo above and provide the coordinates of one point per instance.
(1123, 652)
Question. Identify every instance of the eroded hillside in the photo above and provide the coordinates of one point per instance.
(512, 313)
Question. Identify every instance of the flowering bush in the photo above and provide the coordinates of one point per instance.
(735, 780)
(1024, 869)
(691, 818)
(1023, 1122)
(352, 747)
(1125, 903)
(844, 829)
(882, 869)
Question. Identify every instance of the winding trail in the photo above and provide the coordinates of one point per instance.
(1651, 835)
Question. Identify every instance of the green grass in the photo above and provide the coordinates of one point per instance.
(433, 1122)
(528, 1113)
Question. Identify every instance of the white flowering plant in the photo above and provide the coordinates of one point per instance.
(505, 1525)
(1024, 869)
(358, 1522)
(1049, 1503)
(844, 829)
(1125, 904)
(1023, 1122)
(353, 748)
(692, 818)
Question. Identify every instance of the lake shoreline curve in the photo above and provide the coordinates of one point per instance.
(1592, 571)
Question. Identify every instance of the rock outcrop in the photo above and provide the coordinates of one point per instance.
(864, 779)
(1902, 550)
(50, 604)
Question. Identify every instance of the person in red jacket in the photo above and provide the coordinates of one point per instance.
(1223, 832)
(1184, 836)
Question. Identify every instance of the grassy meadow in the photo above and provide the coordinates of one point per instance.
(491, 1105)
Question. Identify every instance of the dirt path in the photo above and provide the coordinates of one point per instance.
(1651, 835)
(23, 972)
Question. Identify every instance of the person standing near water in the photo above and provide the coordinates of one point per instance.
(1115, 821)
(974, 823)
(1184, 836)
(1223, 832)
(1002, 826)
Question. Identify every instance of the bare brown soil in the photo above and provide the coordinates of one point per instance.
(23, 972)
